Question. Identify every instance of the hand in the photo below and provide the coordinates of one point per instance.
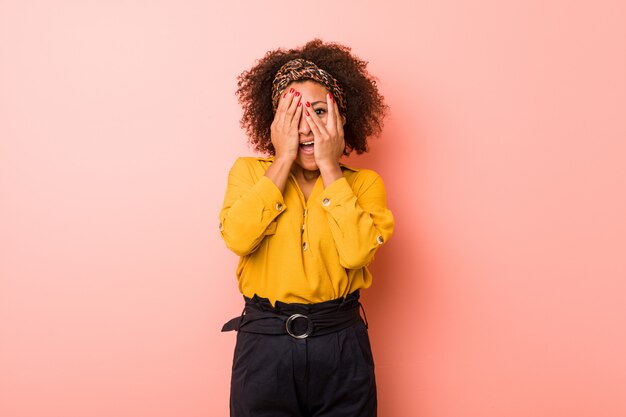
(329, 140)
(284, 128)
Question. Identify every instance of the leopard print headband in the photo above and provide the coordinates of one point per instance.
(301, 69)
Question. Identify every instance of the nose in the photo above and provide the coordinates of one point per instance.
(303, 126)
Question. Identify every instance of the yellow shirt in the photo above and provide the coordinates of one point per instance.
(299, 251)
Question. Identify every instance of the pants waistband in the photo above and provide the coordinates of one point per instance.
(297, 320)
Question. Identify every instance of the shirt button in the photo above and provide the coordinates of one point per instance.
(380, 240)
(326, 202)
(305, 211)
(279, 206)
(302, 229)
(221, 226)
(305, 246)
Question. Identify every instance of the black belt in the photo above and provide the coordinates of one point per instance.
(297, 320)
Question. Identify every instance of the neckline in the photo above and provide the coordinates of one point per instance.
(341, 164)
(314, 191)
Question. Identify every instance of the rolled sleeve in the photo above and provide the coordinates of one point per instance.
(359, 224)
(249, 208)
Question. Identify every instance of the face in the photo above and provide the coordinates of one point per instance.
(315, 94)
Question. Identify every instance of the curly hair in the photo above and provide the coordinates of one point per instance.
(365, 109)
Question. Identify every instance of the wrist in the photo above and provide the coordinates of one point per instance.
(328, 166)
(330, 172)
(285, 158)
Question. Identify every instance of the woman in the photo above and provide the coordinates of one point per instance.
(305, 227)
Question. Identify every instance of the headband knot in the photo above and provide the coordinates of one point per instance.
(301, 69)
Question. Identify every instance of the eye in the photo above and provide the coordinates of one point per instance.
(320, 112)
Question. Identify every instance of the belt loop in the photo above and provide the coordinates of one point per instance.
(248, 301)
(353, 296)
(257, 302)
(342, 303)
(243, 312)
(364, 315)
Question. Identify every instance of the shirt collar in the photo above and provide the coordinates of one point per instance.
(271, 159)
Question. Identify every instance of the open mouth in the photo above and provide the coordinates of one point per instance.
(307, 146)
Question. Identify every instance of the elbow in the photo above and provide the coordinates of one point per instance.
(241, 247)
(241, 244)
(355, 260)
(240, 250)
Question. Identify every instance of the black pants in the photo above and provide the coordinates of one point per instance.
(331, 375)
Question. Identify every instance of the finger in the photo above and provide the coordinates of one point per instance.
(331, 120)
(314, 119)
(336, 112)
(297, 115)
(339, 119)
(284, 102)
(291, 110)
(285, 98)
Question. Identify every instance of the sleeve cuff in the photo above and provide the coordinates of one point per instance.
(335, 194)
(270, 195)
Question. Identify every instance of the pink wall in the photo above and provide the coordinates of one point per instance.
(501, 293)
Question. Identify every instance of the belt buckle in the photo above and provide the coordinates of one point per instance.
(291, 319)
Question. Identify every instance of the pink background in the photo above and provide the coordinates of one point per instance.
(501, 293)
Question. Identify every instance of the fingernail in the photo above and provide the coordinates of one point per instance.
(284, 95)
(297, 93)
(291, 90)
(307, 113)
(308, 104)
(330, 95)
(299, 104)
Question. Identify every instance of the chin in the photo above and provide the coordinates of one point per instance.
(308, 165)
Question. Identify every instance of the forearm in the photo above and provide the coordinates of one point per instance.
(251, 204)
(357, 233)
(359, 224)
(330, 173)
(278, 172)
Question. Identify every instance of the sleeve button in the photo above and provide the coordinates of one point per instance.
(326, 202)
(221, 226)
(305, 246)
(279, 206)
(380, 240)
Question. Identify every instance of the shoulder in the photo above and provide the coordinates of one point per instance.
(359, 177)
(251, 165)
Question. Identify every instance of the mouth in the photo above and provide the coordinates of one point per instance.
(307, 147)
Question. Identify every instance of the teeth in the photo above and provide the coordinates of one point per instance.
(307, 143)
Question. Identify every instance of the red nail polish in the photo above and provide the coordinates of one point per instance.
(308, 104)
(330, 95)
(299, 103)
(291, 90)
(307, 113)
(297, 93)
(284, 95)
